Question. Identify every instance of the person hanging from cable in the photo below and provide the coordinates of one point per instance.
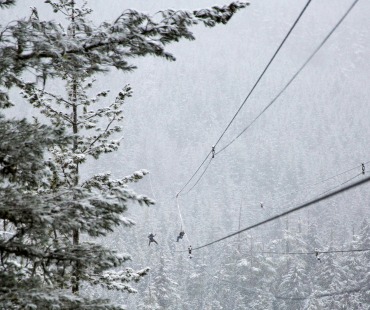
(190, 249)
(317, 255)
(151, 238)
(181, 235)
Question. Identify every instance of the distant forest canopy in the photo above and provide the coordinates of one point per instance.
(168, 116)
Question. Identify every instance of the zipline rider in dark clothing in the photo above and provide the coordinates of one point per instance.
(151, 239)
(180, 236)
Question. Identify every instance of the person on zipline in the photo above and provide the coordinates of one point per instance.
(190, 250)
(151, 238)
(180, 236)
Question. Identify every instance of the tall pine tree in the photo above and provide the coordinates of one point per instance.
(44, 203)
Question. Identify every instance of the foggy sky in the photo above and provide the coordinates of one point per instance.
(318, 127)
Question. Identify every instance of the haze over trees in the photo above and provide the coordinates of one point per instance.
(67, 170)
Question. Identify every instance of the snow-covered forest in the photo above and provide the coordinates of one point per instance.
(108, 110)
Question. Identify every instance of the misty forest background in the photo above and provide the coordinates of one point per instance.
(318, 128)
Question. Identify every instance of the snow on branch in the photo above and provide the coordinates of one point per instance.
(6, 3)
(118, 280)
(96, 48)
(103, 179)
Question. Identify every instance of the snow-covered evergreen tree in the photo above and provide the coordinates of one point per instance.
(356, 270)
(38, 217)
(163, 287)
(150, 300)
(44, 203)
(294, 285)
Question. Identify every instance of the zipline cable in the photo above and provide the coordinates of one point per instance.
(292, 79)
(264, 71)
(325, 180)
(271, 102)
(308, 185)
(322, 193)
(245, 100)
(194, 174)
(181, 220)
(151, 187)
(204, 171)
(300, 207)
(310, 253)
(327, 190)
(294, 76)
(345, 182)
(178, 208)
(355, 290)
(297, 298)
